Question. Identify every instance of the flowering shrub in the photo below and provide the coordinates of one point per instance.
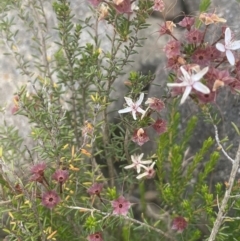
(84, 176)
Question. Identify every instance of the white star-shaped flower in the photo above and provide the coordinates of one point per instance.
(148, 173)
(191, 81)
(229, 45)
(133, 107)
(137, 162)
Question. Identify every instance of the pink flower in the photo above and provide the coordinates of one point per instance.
(216, 78)
(235, 86)
(60, 176)
(50, 199)
(179, 224)
(191, 81)
(123, 6)
(201, 57)
(212, 52)
(148, 173)
(172, 48)
(137, 162)
(229, 45)
(38, 173)
(167, 28)
(206, 98)
(37, 178)
(173, 63)
(14, 109)
(155, 104)
(133, 107)
(95, 237)
(187, 23)
(120, 206)
(95, 189)
(160, 126)
(195, 36)
(224, 76)
(95, 3)
(39, 168)
(159, 5)
(140, 136)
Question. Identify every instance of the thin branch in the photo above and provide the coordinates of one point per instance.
(5, 202)
(235, 196)
(218, 140)
(231, 218)
(219, 144)
(92, 210)
(223, 207)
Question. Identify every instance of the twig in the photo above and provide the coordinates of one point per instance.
(92, 210)
(222, 210)
(231, 218)
(219, 144)
(218, 140)
(5, 202)
(235, 196)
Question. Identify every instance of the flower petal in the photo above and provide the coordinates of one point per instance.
(220, 47)
(129, 101)
(128, 109)
(185, 73)
(201, 88)
(133, 157)
(200, 74)
(140, 110)
(140, 156)
(134, 114)
(182, 84)
(138, 168)
(139, 101)
(146, 162)
(129, 166)
(228, 36)
(149, 101)
(186, 94)
(230, 57)
(144, 174)
(235, 45)
(143, 115)
(153, 164)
